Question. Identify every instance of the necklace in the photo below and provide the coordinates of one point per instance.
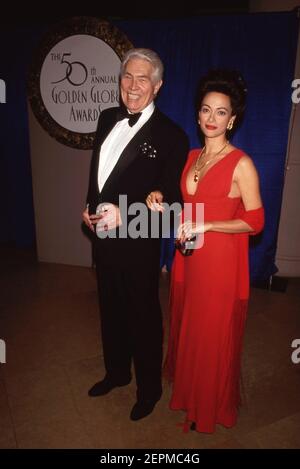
(199, 167)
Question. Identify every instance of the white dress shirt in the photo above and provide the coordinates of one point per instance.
(116, 141)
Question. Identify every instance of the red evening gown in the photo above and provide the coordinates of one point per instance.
(208, 305)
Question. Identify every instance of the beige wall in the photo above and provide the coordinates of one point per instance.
(288, 247)
(60, 178)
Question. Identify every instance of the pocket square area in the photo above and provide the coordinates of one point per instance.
(148, 150)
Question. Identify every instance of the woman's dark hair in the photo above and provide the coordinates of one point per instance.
(228, 82)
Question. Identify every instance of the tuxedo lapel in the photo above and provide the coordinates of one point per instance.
(130, 152)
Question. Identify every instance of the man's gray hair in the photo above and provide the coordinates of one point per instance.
(145, 54)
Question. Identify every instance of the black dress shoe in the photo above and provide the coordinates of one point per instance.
(105, 386)
(141, 409)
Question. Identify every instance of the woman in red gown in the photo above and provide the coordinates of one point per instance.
(210, 288)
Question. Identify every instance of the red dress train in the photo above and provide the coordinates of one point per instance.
(208, 305)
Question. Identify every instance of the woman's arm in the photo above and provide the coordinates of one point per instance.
(246, 178)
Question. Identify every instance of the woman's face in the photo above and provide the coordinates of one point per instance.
(214, 114)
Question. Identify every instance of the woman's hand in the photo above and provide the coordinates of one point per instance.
(154, 201)
(189, 229)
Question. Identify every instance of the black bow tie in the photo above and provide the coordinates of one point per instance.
(132, 118)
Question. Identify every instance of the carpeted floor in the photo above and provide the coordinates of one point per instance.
(50, 324)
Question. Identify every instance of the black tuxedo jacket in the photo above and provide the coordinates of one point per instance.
(152, 160)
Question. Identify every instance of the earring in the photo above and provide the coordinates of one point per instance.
(230, 125)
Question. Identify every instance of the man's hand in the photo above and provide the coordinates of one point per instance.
(108, 217)
(87, 219)
(154, 201)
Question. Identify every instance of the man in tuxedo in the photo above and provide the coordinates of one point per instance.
(138, 152)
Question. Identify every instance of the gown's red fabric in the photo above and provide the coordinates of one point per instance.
(208, 305)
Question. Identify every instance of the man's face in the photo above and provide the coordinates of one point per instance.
(137, 87)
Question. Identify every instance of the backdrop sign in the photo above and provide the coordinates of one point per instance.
(75, 76)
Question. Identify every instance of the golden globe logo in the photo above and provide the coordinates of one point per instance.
(75, 76)
(79, 78)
